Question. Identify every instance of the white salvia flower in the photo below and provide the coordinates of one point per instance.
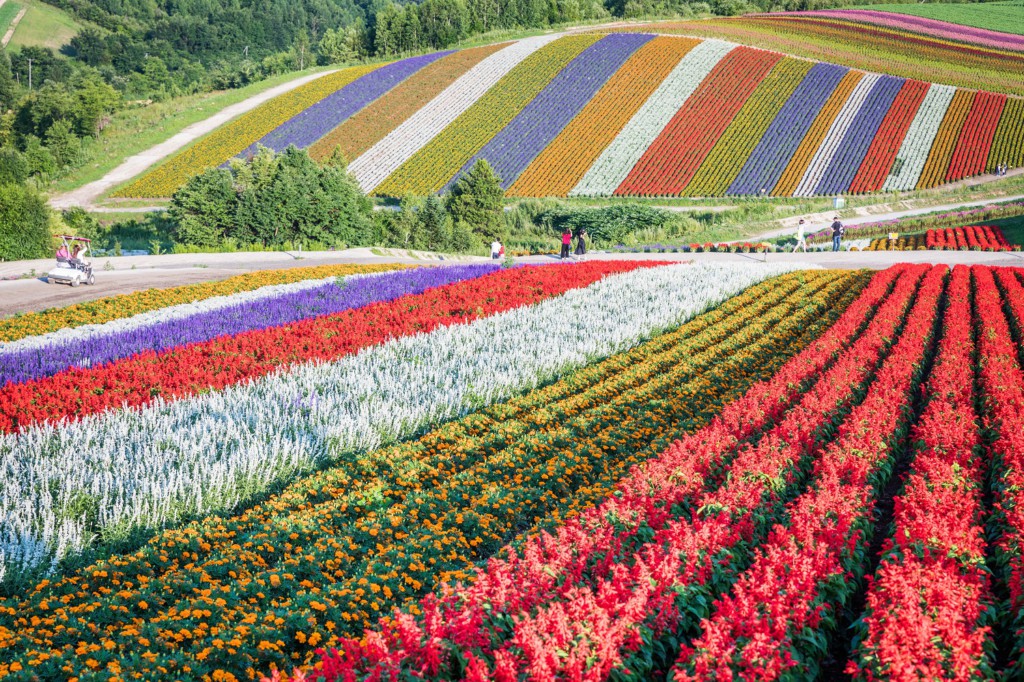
(146, 467)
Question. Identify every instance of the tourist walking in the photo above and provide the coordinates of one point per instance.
(496, 249)
(801, 242)
(581, 243)
(837, 233)
(566, 242)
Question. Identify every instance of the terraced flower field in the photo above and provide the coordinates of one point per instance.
(631, 114)
(670, 470)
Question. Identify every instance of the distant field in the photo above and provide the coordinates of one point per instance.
(7, 14)
(871, 48)
(43, 25)
(1007, 17)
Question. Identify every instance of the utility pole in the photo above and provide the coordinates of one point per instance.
(30, 75)
(246, 51)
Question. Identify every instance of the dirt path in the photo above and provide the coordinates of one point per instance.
(14, 26)
(84, 196)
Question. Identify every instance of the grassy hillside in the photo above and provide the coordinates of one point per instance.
(43, 25)
(995, 16)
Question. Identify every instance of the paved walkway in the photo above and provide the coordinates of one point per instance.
(84, 196)
(29, 294)
(865, 214)
(135, 273)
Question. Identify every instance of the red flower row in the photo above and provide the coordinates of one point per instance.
(671, 161)
(886, 144)
(976, 135)
(617, 578)
(980, 238)
(929, 604)
(228, 360)
(773, 620)
(1002, 385)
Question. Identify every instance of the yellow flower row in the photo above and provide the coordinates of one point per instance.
(941, 153)
(233, 596)
(804, 154)
(233, 138)
(565, 161)
(913, 242)
(429, 169)
(126, 305)
(738, 141)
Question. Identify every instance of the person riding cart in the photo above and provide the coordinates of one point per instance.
(72, 267)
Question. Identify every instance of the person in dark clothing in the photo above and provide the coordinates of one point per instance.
(566, 242)
(837, 233)
(581, 243)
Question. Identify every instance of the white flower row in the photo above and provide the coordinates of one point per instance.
(913, 153)
(829, 146)
(147, 467)
(155, 317)
(615, 162)
(384, 158)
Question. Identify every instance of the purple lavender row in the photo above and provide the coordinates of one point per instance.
(772, 154)
(518, 143)
(310, 125)
(932, 27)
(844, 166)
(332, 297)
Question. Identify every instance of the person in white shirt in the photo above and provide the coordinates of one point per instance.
(495, 249)
(801, 242)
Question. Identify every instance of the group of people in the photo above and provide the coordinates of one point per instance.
(581, 243)
(72, 257)
(837, 227)
(498, 249)
(1001, 169)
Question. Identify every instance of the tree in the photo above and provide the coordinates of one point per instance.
(405, 227)
(7, 91)
(477, 200)
(203, 209)
(272, 199)
(13, 166)
(435, 224)
(24, 224)
(40, 160)
(64, 144)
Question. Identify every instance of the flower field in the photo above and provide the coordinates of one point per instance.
(751, 545)
(882, 42)
(970, 238)
(631, 114)
(582, 471)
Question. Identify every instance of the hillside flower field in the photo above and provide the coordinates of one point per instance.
(634, 114)
(564, 471)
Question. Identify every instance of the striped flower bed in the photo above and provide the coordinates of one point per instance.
(632, 114)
